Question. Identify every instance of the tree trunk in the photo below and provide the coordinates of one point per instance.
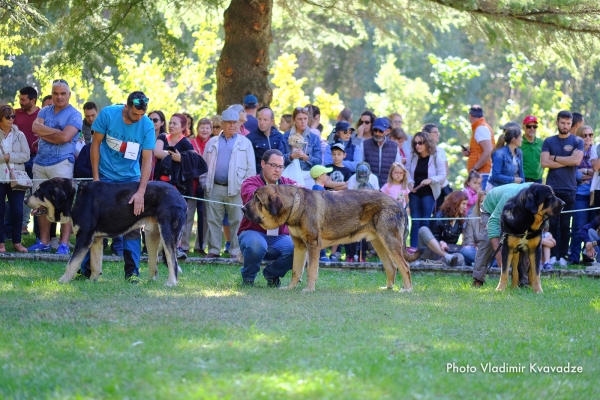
(244, 64)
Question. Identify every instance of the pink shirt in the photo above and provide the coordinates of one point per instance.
(396, 192)
(472, 195)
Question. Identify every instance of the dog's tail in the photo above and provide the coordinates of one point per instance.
(411, 257)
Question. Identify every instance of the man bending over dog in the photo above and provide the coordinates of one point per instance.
(123, 133)
(258, 244)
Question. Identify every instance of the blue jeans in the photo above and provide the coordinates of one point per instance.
(15, 199)
(257, 246)
(484, 179)
(579, 220)
(132, 249)
(468, 252)
(420, 207)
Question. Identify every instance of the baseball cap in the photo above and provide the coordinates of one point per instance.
(230, 115)
(339, 146)
(382, 124)
(510, 125)
(342, 126)
(363, 170)
(529, 118)
(319, 170)
(250, 101)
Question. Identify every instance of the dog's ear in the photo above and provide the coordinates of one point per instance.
(275, 204)
(536, 195)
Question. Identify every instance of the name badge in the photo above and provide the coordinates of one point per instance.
(132, 151)
(273, 232)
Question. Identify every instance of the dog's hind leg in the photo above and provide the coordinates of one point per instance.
(152, 243)
(388, 263)
(298, 263)
(96, 258)
(312, 268)
(393, 248)
(534, 269)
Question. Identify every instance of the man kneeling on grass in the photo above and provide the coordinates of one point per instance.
(258, 244)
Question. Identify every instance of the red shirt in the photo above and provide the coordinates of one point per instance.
(25, 122)
(249, 186)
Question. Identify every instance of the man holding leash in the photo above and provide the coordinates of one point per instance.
(491, 210)
(123, 134)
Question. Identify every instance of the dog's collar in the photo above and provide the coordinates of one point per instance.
(292, 207)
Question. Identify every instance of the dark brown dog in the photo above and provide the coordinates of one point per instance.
(319, 219)
(522, 223)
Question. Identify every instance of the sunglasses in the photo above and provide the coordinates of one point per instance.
(13, 116)
(305, 109)
(217, 127)
(365, 122)
(377, 130)
(155, 120)
(276, 167)
(584, 135)
(531, 126)
(60, 81)
(141, 102)
(418, 143)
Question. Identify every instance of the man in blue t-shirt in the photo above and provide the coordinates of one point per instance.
(562, 154)
(123, 134)
(57, 126)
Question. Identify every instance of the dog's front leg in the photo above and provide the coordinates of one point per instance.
(312, 270)
(96, 258)
(517, 259)
(298, 263)
(81, 247)
(534, 269)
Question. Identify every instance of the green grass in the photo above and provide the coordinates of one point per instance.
(211, 338)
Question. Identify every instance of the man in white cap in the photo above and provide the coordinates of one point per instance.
(230, 160)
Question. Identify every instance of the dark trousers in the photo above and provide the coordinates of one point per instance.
(15, 200)
(560, 225)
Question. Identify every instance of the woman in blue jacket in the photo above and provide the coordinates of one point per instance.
(507, 158)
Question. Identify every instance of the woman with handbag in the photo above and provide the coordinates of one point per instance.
(14, 152)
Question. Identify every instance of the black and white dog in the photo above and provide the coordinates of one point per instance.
(101, 210)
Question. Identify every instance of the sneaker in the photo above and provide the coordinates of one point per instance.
(227, 247)
(247, 283)
(54, 243)
(324, 259)
(454, 261)
(181, 254)
(477, 283)
(239, 257)
(411, 250)
(63, 249)
(338, 255)
(133, 279)
(273, 282)
(562, 262)
(552, 260)
(547, 267)
(144, 251)
(350, 259)
(39, 247)
(333, 258)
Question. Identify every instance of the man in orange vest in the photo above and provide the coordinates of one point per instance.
(480, 148)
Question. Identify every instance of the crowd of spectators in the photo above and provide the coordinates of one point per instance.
(219, 162)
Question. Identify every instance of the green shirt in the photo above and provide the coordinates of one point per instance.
(532, 164)
(494, 203)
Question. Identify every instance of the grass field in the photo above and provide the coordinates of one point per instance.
(211, 338)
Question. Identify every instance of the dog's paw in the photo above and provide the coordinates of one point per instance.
(286, 287)
(308, 290)
(386, 288)
(500, 288)
(406, 290)
(64, 279)
(171, 283)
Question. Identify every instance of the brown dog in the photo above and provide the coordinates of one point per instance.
(318, 219)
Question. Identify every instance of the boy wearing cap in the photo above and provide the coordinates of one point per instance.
(319, 174)
(379, 152)
(340, 173)
(532, 151)
(354, 153)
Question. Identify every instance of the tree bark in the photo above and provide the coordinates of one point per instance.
(244, 64)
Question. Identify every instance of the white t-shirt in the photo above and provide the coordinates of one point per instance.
(442, 156)
(353, 184)
(482, 133)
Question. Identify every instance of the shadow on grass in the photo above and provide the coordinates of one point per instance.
(210, 337)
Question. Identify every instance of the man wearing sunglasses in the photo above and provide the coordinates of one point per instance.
(532, 150)
(123, 134)
(57, 127)
(380, 152)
